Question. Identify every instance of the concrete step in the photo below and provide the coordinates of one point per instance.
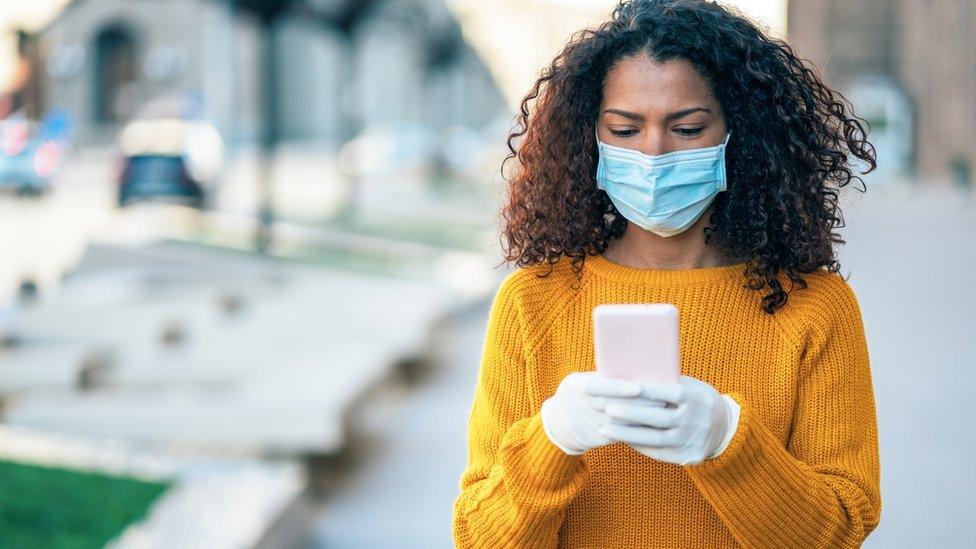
(277, 375)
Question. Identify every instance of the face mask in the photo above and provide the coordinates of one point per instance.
(665, 193)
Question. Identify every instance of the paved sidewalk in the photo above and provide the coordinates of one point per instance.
(912, 264)
(400, 495)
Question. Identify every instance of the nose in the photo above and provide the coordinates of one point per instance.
(653, 143)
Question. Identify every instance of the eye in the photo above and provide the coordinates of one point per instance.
(688, 132)
(624, 133)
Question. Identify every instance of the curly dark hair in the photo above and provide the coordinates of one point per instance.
(780, 208)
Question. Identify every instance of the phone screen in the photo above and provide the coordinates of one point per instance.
(637, 341)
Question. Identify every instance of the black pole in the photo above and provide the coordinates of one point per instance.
(346, 17)
(270, 129)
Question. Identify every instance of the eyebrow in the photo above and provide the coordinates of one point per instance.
(669, 117)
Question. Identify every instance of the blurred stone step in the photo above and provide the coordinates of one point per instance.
(277, 372)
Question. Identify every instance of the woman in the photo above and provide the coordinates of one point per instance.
(676, 154)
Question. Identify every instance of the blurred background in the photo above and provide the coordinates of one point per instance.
(248, 249)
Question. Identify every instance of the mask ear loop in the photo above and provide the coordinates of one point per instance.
(596, 134)
(725, 182)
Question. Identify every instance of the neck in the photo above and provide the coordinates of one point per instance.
(686, 250)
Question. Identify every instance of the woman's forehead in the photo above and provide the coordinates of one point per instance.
(654, 89)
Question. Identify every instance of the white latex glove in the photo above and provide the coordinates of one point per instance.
(572, 417)
(699, 426)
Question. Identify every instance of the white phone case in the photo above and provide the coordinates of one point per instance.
(637, 341)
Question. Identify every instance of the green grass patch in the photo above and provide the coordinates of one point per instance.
(61, 508)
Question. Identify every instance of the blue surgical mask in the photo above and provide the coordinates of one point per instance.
(664, 193)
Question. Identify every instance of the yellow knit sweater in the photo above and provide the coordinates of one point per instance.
(801, 470)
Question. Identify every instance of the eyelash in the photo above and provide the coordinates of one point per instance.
(688, 132)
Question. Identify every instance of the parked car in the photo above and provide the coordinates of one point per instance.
(158, 177)
(28, 158)
(168, 160)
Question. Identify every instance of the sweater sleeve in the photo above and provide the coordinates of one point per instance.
(823, 488)
(517, 484)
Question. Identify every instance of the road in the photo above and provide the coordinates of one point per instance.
(42, 237)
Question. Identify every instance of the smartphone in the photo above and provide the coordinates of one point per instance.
(637, 341)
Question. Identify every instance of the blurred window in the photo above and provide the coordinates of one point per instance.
(115, 69)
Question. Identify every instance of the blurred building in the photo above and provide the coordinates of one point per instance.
(107, 61)
(910, 68)
(23, 92)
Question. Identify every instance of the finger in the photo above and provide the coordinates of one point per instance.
(641, 435)
(668, 391)
(610, 387)
(652, 416)
(601, 403)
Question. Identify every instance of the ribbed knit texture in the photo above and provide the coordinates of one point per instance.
(802, 469)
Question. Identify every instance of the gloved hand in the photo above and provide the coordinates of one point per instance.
(573, 415)
(699, 426)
